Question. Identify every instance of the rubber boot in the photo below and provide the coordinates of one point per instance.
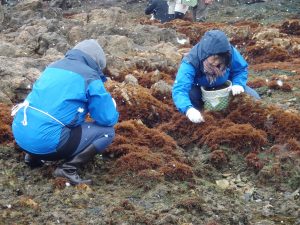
(33, 161)
(69, 168)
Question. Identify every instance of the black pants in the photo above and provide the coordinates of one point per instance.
(65, 151)
(178, 15)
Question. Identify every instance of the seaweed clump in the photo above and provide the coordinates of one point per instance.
(6, 135)
(280, 125)
(257, 53)
(278, 85)
(257, 83)
(218, 158)
(254, 162)
(193, 203)
(238, 136)
(279, 159)
(290, 27)
(247, 127)
(147, 153)
(136, 102)
(216, 131)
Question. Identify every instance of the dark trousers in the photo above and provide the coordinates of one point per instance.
(178, 15)
(79, 139)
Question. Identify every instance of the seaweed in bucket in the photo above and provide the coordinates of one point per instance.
(216, 88)
(210, 63)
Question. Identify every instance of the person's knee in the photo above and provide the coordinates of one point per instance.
(110, 132)
(105, 140)
(109, 135)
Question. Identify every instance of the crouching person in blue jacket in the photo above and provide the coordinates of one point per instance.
(210, 63)
(50, 124)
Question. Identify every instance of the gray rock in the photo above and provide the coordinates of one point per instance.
(7, 49)
(162, 87)
(4, 98)
(130, 79)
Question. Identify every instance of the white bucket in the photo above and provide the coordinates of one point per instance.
(218, 99)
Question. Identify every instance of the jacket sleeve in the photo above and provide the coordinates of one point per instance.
(101, 106)
(150, 8)
(182, 86)
(238, 69)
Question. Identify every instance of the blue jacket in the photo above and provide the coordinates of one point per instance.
(67, 90)
(191, 71)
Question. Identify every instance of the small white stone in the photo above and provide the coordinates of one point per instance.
(279, 83)
(181, 41)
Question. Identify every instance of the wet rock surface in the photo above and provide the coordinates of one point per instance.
(240, 167)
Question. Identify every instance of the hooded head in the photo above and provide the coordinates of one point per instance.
(94, 50)
(213, 42)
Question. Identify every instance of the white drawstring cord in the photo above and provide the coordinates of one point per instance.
(17, 107)
(24, 122)
(47, 115)
(25, 104)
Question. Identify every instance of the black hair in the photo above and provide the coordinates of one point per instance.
(226, 58)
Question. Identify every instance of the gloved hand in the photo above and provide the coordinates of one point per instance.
(194, 115)
(114, 101)
(237, 89)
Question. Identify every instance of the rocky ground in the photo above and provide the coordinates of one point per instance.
(242, 166)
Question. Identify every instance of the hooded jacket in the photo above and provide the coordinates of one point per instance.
(191, 71)
(60, 99)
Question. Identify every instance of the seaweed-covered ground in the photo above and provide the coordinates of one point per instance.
(240, 167)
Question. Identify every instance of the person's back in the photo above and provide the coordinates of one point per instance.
(50, 124)
(159, 8)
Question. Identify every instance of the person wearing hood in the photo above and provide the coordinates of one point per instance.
(51, 123)
(210, 63)
(159, 10)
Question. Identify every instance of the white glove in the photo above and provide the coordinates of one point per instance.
(194, 115)
(237, 89)
(114, 101)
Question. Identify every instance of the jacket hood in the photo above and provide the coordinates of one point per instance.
(94, 50)
(76, 54)
(212, 43)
